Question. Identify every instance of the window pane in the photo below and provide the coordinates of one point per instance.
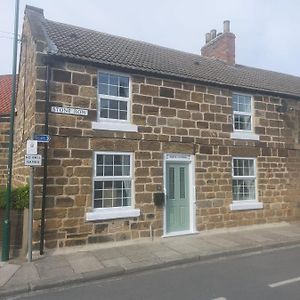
(113, 114)
(103, 78)
(104, 103)
(117, 159)
(108, 184)
(123, 105)
(103, 89)
(117, 202)
(98, 195)
(113, 104)
(113, 79)
(118, 171)
(182, 183)
(235, 102)
(108, 171)
(123, 115)
(99, 159)
(98, 185)
(124, 81)
(99, 171)
(126, 170)
(107, 203)
(123, 92)
(171, 183)
(113, 90)
(108, 159)
(126, 160)
(98, 203)
(104, 113)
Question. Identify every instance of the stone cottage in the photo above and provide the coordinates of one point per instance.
(148, 141)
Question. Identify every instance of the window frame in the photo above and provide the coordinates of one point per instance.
(104, 213)
(240, 133)
(114, 124)
(245, 204)
(251, 114)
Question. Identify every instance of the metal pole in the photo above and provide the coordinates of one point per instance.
(30, 213)
(6, 221)
(42, 234)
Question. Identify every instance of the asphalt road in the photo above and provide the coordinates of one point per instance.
(273, 275)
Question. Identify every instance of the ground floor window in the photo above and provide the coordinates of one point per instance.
(113, 196)
(244, 184)
(112, 180)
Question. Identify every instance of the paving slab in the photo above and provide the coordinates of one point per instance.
(119, 261)
(104, 254)
(26, 273)
(221, 241)
(82, 262)
(6, 272)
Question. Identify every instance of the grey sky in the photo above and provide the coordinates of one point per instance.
(267, 32)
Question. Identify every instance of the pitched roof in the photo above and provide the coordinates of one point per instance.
(5, 94)
(72, 42)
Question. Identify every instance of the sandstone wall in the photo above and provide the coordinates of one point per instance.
(171, 117)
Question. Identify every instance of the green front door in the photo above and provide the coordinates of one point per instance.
(177, 205)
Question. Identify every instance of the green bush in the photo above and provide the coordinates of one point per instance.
(19, 199)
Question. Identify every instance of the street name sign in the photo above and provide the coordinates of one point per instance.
(69, 111)
(33, 160)
(42, 138)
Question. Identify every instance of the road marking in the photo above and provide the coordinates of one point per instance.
(279, 283)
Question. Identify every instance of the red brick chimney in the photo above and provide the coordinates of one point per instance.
(220, 46)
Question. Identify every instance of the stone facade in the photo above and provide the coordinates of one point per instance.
(4, 139)
(172, 117)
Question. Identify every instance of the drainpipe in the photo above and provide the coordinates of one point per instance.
(45, 165)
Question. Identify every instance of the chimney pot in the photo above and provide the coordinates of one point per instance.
(213, 33)
(226, 26)
(207, 37)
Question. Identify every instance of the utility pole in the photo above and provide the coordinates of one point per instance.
(6, 221)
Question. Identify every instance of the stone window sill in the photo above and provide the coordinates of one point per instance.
(112, 213)
(245, 205)
(115, 126)
(240, 135)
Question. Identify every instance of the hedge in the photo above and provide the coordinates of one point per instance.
(19, 200)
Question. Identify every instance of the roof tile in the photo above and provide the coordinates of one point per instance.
(5, 94)
(72, 42)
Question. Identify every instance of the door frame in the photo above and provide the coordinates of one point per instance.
(188, 159)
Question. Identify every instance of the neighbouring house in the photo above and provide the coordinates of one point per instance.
(5, 98)
(150, 141)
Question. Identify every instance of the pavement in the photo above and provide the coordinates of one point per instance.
(70, 266)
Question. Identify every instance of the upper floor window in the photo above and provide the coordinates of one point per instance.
(242, 112)
(114, 102)
(113, 93)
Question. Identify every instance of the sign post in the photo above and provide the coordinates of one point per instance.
(32, 159)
